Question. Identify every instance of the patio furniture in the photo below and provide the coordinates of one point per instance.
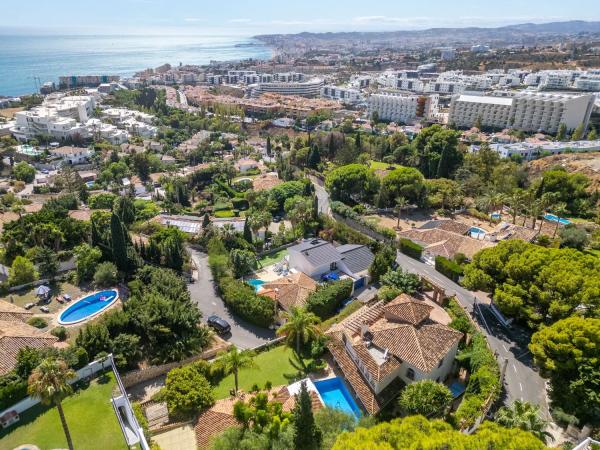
(44, 309)
(42, 291)
(66, 297)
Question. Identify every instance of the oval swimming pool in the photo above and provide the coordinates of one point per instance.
(88, 307)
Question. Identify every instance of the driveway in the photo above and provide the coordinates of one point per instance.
(521, 380)
(322, 196)
(202, 291)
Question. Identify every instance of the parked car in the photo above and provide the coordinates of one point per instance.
(221, 326)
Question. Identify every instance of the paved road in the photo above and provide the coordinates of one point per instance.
(202, 290)
(521, 381)
(322, 196)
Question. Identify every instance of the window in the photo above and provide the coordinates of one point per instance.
(410, 374)
(333, 266)
(441, 362)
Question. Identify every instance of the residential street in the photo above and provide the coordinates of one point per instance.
(322, 196)
(243, 334)
(521, 381)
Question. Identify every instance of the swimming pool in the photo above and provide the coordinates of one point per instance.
(553, 218)
(477, 233)
(496, 216)
(335, 395)
(255, 283)
(88, 307)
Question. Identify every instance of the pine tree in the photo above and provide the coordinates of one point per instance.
(358, 142)
(331, 146)
(247, 232)
(314, 157)
(443, 169)
(205, 220)
(308, 436)
(561, 134)
(269, 146)
(578, 133)
(119, 243)
(125, 209)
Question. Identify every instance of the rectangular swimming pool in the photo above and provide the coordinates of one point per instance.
(335, 395)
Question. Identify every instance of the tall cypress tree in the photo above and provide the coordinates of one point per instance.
(443, 169)
(269, 146)
(119, 243)
(247, 232)
(308, 436)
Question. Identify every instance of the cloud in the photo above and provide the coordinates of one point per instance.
(240, 21)
(194, 19)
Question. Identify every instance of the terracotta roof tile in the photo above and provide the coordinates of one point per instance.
(290, 291)
(15, 335)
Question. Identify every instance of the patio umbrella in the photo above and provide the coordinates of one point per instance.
(42, 290)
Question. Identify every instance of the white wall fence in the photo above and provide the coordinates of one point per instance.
(85, 372)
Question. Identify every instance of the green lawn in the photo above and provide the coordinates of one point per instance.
(378, 165)
(272, 258)
(21, 298)
(271, 365)
(90, 416)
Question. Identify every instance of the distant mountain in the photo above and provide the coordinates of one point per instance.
(525, 33)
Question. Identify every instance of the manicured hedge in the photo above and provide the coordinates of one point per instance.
(448, 268)
(236, 294)
(242, 299)
(411, 248)
(484, 382)
(325, 301)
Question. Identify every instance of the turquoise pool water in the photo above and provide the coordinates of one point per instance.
(87, 307)
(255, 283)
(476, 232)
(335, 395)
(553, 218)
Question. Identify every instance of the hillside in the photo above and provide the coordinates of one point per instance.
(585, 163)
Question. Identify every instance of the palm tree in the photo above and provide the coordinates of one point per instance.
(401, 203)
(559, 210)
(525, 416)
(232, 360)
(300, 327)
(49, 383)
(515, 200)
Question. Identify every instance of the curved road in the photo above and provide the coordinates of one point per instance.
(521, 380)
(202, 290)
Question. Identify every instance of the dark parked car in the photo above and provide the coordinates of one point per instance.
(221, 326)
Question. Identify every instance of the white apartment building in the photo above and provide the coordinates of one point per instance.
(446, 87)
(72, 155)
(480, 48)
(556, 79)
(342, 94)
(309, 89)
(400, 107)
(466, 110)
(59, 116)
(529, 151)
(537, 111)
(527, 111)
(111, 133)
(588, 83)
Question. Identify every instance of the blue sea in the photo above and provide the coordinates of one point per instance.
(24, 57)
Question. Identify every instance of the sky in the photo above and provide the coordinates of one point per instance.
(250, 17)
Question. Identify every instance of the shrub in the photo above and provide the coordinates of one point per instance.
(388, 293)
(60, 332)
(448, 268)
(223, 214)
(187, 391)
(240, 203)
(243, 299)
(327, 298)
(484, 383)
(37, 322)
(404, 281)
(104, 200)
(105, 275)
(12, 389)
(411, 248)
(426, 397)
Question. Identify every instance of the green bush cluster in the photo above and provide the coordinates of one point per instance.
(448, 268)
(350, 213)
(236, 294)
(327, 298)
(411, 248)
(484, 382)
